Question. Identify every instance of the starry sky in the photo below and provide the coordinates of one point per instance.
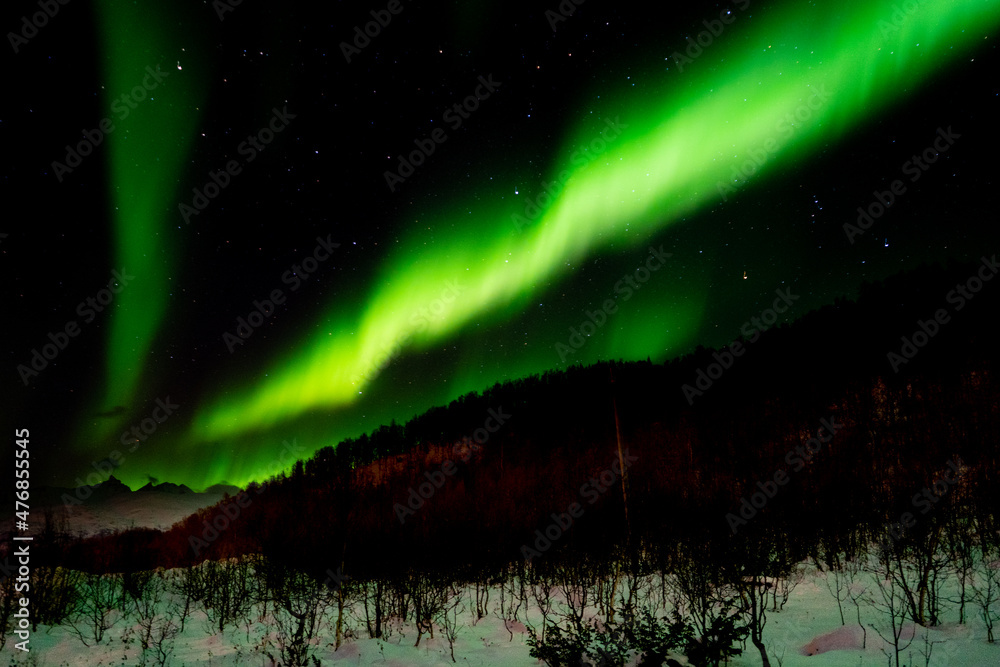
(250, 230)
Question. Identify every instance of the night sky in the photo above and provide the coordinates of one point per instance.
(611, 166)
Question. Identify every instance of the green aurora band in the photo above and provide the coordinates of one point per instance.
(833, 64)
(146, 151)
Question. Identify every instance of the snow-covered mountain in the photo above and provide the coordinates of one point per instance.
(111, 506)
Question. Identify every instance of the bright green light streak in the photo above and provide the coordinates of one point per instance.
(833, 65)
(153, 128)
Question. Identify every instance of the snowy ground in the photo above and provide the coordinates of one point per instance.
(809, 623)
(807, 631)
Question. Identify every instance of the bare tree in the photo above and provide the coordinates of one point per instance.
(429, 594)
(574, 582)
(985, 583)
(189, 584)
(539, 588)
(229, 591)
(147, 605)
(481, 592)
(136, 586)
(918, 565)
(54, 594)
(300, 606)
(752, 589)
(886, 595)
(961, 547)
(512, 591)
(925, 648)
(448, 616)
(854, 574)
(99, 607)
(695, 583)
(634, 588)
(373, 598)
(783, 586)
(837, 582)
(160, 619)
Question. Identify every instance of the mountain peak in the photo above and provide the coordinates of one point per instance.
(112, 483)
(166, 487)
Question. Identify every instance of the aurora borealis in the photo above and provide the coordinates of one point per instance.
(452, 281)
(143, 155)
